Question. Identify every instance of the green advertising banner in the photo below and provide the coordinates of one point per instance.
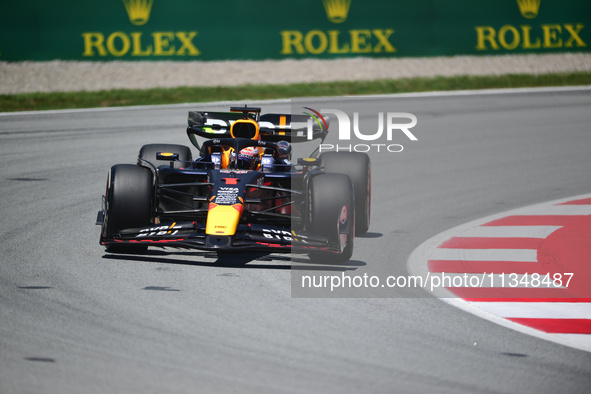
(265, 29)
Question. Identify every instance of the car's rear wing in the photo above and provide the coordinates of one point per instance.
(272, 127)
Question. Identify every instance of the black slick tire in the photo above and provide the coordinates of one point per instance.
(357, 166)
(128, 203)
(331, 204)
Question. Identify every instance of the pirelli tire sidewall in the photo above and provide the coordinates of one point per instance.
(128, 202)
(357, 166)
(330, 197)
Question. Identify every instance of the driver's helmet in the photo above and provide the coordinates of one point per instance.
(248, 158)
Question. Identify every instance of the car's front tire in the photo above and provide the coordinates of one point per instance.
(128, 203)
(357, 166)
(331, 209)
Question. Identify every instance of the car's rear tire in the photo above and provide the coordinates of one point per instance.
(331, 203)
(148, 152)
(128, 203)
(357, 166)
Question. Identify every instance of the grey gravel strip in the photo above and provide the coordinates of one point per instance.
(53, 76)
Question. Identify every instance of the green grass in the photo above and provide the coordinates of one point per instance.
(111, 98)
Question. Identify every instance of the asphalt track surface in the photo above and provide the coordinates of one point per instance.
(75, 319)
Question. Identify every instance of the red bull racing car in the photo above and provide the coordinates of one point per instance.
(242, 192)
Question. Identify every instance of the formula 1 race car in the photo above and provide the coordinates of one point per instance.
(242, 192)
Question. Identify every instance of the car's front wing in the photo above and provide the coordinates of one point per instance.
(248, 237)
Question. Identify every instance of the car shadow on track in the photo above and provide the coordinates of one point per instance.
(370, 235)
(251, 260)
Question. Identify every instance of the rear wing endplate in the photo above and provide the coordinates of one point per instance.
(272, 127)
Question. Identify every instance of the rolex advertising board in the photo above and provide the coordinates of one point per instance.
(264, 29)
